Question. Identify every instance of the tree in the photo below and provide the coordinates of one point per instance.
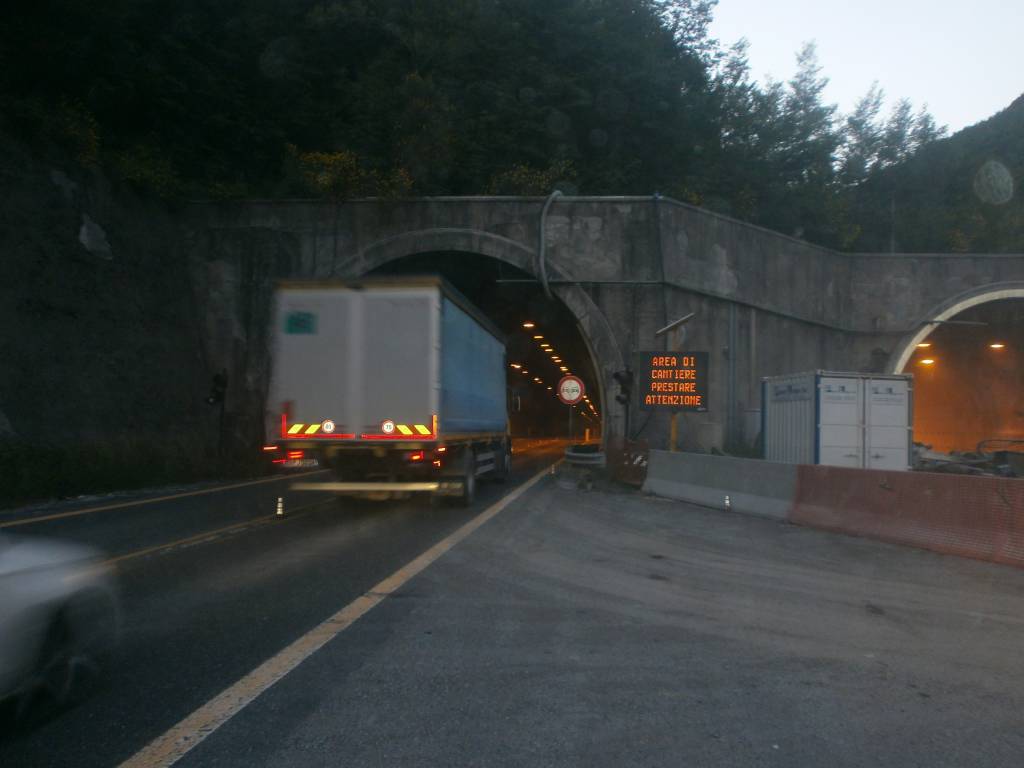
(862, 138)
(690, 24)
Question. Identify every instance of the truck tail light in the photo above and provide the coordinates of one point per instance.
(437, 462)
(295, 454)
(417, 456)
(269, 448)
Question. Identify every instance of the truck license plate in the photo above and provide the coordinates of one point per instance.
(301, 463)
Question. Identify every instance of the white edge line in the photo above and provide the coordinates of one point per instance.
(175, 743)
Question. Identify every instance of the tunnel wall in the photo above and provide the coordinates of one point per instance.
(786, 305)
(117, 310)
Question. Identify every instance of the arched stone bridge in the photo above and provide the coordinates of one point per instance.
(765, 303)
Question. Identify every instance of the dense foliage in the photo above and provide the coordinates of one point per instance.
(962, 194)
(394, 97)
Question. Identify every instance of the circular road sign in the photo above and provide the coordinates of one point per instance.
(387, 426)
(327, 426)
(570, 390)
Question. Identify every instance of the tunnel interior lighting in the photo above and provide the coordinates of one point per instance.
(563, 369)
(538, 337)
(924, 345)
(516, 365)
(928, 361)
(550, 388)
(997, 345)
(528, 324)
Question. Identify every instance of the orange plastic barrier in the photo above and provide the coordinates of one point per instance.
(979, 517)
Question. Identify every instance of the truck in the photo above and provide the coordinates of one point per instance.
(395, 385)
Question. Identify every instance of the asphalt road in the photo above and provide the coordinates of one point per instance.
(575, 628)
(213, 584)
(610, 629)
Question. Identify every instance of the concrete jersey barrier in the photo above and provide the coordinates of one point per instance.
(977, 517)
(753, 486)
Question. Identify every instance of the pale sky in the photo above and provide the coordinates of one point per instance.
(963, 59)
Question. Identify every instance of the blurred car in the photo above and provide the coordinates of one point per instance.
(59, 618)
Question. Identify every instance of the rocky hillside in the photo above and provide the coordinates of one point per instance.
(104, 375)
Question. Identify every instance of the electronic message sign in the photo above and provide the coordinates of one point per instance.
(673, 381)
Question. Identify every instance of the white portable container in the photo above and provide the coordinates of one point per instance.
(838, 419)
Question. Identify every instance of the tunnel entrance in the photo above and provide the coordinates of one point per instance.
(543, 340)
(969, 378)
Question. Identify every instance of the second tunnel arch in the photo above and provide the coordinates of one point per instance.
(949, 309)
(966, 359)
(592, 324)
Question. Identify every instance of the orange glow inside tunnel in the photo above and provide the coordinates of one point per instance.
(972, 391)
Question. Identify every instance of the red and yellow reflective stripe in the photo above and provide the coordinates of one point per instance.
(301, 430)
(403, 431)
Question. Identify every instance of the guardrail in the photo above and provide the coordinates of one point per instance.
(584, 455)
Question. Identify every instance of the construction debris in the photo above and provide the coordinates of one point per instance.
(999, 457)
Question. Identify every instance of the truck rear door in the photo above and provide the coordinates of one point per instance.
(348, 362)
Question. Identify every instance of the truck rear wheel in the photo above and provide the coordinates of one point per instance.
(502, 462)
(468, 494)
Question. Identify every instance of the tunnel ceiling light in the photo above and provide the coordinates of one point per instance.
(545, 346)
(538, 337)
(528, 324)
(927, 361)
(997, 345)
(563, 369)
(524, 371)
(550, 388)
(924, 345)
(516, 365)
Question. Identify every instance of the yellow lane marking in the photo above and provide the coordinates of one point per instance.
(199, 537)
(167, 749)
(140, 502)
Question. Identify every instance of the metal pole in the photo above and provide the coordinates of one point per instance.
(570, 423)
(732, 412)
(674, 345)
(542, 268)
